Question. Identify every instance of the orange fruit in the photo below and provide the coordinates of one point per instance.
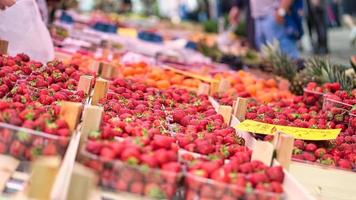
(163, 84)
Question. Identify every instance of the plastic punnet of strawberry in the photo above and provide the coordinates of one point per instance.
(237, 179)
(26, 144)
(136, 165)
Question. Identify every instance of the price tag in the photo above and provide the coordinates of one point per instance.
(297, 133)
(128, 32)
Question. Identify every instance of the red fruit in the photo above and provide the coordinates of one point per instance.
(131, 152)
(275, 174)
(277, 187)
(320, 152)
(343, 163)
(17, 148)
(64, 132)
(162, 141)
(150, 160)
(50, 149)
(93, 147)
(310, 147)
(211, 166)
(136, 187)
(300, 144)
(220, 175)
(121, 185)
(309, 157)
(107, 153)
(258, 177)
(171, 167)
(2, 148)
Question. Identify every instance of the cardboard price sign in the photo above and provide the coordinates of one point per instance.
(297, 133)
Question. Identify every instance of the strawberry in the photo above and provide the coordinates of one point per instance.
(162, 141)
(17, 148)
(345, 164)
(107, 153)
(150, 160)
(3, 148)
(277, 187)
(256, 178)
(309, 157)
(310, 147)
(300, 144)
(136, 187)
(275, 174)
(50, 149)
(320, 152)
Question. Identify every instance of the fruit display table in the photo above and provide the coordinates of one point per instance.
(134, 116)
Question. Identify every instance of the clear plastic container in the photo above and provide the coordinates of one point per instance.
(329, 103)
(313, 97)
(26, 144)
(140, 180)
(197, 188)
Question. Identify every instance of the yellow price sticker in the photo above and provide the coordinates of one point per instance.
(297, 133)
(128, 32)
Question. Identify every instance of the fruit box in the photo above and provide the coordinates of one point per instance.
(202, 188)
(322, 182)
(313, 96)
(26, 144)
(329, 103)
(139, 180)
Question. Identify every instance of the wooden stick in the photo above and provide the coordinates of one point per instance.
(263, 151)
(44, 172)
(224, 85)
(240, 108)
(85, 84)
(95, 67)
(91, 120)
(107, 70)
(203, 89)
(71, 112)
(4, 45)
(62, 182)
(284, 148)
(82, 183)
(100, 89)
(214, 87)
(225, 111)
(7, 168)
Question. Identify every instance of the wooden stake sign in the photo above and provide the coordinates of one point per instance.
(82, 184)
(100, 89)
(91, 120)
(225, 111)
(224, 85)
(283, 144)
(107, 70)
(203, 89)
(263, 151)
(85, 84)
(44, 171)
(7, 168)
(95, 67)
(3, 46)
(71, 112)
(214, 87)
(240, 108)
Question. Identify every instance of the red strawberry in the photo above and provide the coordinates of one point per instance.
(310, 147)
(275, 174)
(258, 177)
(309, 157)
(17, 148)
(162, 141)
(150, 160)
(277, 187)
(220, 175)
(320, 152)
(50, 149)
(136, 187)
(343, 163)
(107, 153)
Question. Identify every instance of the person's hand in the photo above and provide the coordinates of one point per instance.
(6, 3)
(234, 16)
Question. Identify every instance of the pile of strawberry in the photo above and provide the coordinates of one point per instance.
(307, 111)
(31, 96)
(146, 128)
(142, 156)
(233, 180)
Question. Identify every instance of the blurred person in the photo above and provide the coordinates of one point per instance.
(317, 25)
(233, 19)
(278, 20)
(349, 9)
(26, 32)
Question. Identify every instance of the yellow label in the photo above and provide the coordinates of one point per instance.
(297, 133)
(128, 32)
